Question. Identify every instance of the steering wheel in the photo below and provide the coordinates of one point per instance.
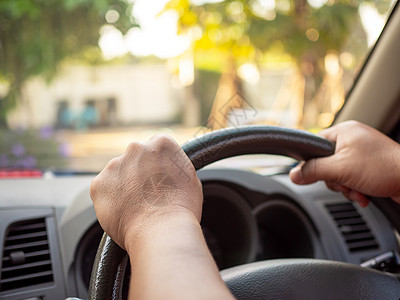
(273, 279)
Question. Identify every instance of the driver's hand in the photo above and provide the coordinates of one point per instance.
(366, 162)
(151, 180)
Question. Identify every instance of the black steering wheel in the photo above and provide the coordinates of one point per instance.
(273, 279)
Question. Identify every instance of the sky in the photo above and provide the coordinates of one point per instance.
(158, 33)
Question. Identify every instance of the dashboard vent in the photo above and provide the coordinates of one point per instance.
(26, 256)
(353, 228)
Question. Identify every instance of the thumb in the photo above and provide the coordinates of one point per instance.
(313, 170)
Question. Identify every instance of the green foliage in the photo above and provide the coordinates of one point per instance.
(35, 35)
(229, 33)
(246, 30)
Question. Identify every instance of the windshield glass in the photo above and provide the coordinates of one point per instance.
(80, 80)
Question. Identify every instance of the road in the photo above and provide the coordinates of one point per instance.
(91, 150)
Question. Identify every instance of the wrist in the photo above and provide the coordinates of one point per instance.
(157, 222)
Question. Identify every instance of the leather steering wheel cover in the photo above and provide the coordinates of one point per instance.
(309, 279)
(230, 142)
(108, 271)
(111, 260)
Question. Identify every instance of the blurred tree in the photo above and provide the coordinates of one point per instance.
(233, 32)
(35, 35)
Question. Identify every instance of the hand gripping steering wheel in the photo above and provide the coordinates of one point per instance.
(273, 279)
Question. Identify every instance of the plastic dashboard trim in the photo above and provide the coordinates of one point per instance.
(74, 206)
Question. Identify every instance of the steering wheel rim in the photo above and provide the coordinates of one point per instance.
(111, 261)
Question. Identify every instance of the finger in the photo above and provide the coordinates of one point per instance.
(360, 198)
(295, 174)
(396, 199)
(330, 133)
(347, 195)
(325, 168)
(331, 185)
(337, 187)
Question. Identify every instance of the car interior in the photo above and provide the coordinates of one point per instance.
(50, 234)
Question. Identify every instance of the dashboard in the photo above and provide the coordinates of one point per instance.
(49, 231)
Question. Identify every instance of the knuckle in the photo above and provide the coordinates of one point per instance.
(94, 187)
(113, 163)
(312, 171)
(163, 142)
(310, 168)
(353, 124)
(133, 147)
(165, 139)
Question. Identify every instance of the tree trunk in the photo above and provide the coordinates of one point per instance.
(227, 99)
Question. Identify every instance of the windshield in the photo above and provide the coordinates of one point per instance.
(80, 80)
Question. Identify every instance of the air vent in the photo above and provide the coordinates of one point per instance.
(26, 256)
(353, 228)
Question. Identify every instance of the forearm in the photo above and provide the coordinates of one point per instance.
(170, 260)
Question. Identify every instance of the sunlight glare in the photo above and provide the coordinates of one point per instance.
(111, 42)
(317, 3)
(112, 16)
(250, 73)
(264, 9)
(332, 63)
(186, 71)
(201, 2)
(157, 34)
(157, 38)
(268, 4)
(372, 21)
